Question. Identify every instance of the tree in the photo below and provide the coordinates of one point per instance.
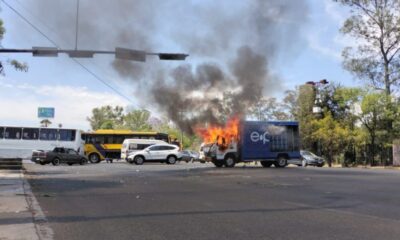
(347, 113)
(375, 113)
(331, 135)
(376, 26)
(45, 123)
(17, 65)
(137, 120)
(267, 109)
(289, 103)
(106, 117)
(304, 114)
(166, 126)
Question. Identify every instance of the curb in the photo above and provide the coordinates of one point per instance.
(43, 230)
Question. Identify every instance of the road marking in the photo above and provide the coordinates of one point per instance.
(42, 227)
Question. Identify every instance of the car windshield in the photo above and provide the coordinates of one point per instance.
(305, 153)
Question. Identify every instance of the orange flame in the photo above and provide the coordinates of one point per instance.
(220, 135)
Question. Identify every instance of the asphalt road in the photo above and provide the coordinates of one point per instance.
(197, 201)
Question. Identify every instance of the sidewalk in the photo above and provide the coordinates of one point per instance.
(20, 215)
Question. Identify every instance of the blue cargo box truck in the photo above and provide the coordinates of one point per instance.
(270, 142)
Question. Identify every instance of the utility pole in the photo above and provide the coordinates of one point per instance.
(181, 120)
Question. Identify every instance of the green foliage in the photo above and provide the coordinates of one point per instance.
(23, 67)
(2, 29)
(268, 109)
(189, 141)
(304, 114)
(375, 24)
(331, 135)
(45, 122)
(107, 117)
(107, 124)
(137, 120)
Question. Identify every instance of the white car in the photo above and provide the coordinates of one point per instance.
(132, 145)
(159, 153)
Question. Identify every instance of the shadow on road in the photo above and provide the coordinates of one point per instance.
(68, 219)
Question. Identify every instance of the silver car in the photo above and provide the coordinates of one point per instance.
(310, 159)
(190, 156)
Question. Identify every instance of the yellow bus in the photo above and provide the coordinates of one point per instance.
(106, 143)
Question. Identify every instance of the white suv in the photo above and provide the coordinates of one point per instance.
(159, 152)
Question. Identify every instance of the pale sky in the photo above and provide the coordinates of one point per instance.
(61, 83)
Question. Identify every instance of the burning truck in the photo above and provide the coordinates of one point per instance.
(269, 142)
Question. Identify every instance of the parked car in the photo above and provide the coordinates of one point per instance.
(310, 159)
(190, 156)
(158, 152)
(132, 145)
(57, 156)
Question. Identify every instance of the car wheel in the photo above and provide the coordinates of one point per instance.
(171, 160)
(281, 162)
(94, 158)
(70, 164)
(218, 164)
(56, 161)
(139, 160)
(304, 163)
(83, 161)
(266, 164)
(229, 161)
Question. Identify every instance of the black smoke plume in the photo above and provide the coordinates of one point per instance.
(234, 47)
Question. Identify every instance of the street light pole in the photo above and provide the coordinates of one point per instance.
(76, 26)
(317, 108)
(181, 119)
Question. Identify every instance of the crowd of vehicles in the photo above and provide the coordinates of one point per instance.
(105, 143)
(271, 143)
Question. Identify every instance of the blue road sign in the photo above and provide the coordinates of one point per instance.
(46, 112)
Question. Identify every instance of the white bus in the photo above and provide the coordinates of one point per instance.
(21, 141)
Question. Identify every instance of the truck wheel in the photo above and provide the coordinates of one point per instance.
(218, 164)
(266, 164)
(56, 161)
(94, 158)
(281, 162)
(139, 160)
(229, 161)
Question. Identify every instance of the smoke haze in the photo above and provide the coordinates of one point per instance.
(233, 46)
